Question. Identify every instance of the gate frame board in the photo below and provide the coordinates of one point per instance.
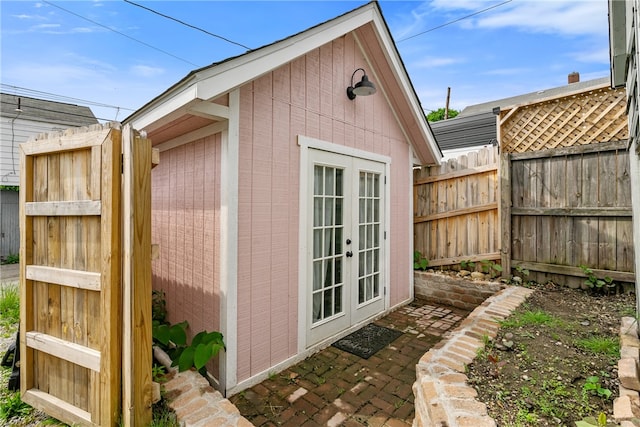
(137, 357)
(104, 186)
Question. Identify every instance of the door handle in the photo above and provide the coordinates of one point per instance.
(348, 241)
(349, 254)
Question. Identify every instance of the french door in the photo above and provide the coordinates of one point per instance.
(345, 278)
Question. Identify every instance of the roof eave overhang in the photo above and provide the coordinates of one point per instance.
(211, 82)
(617, 42)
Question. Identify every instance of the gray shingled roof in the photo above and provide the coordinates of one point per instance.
(533, 96)
(475, 126)
(465, 131)
(39, 110)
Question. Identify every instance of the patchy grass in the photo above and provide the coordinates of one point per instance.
(560, 364)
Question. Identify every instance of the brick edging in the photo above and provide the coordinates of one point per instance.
(442, 395)
(195, 402)
(626, 407)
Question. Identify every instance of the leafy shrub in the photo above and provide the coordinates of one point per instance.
(419, 261)
(173, 339)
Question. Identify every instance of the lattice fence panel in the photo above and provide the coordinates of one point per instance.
(586, 118)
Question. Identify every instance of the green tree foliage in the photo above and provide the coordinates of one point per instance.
(438, 114)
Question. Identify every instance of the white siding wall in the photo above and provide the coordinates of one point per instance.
(12, 133)
(632, 43)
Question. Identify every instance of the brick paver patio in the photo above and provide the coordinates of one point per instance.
(336, 388)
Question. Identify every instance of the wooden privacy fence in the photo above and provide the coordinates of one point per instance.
(563, 208)
(73, 234)
(456, 209)
(563, 186)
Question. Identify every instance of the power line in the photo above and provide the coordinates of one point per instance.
(49, 110)
(48, 96)
(122, 34)
(187, 24)
(454, 21)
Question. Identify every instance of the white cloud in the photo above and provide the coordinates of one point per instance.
(432, 61)
(44, 27)
(567, 17)
(507, 71)
(146, 71)
(598, 56)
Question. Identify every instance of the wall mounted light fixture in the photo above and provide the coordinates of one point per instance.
(363, 88)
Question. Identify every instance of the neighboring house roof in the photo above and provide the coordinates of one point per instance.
(465, 131)
(475, 126)
(537, 96)
(188, 97)
(40, 110)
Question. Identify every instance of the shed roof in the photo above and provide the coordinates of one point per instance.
(40, 110)
(189, 99)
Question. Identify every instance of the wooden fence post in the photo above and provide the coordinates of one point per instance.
(504, 213)
(136, 280)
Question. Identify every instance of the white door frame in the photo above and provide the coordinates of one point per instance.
(305, 144)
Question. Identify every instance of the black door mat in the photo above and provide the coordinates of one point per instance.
(367, 341)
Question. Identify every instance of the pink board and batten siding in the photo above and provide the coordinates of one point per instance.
(185, 223)
(304, 97)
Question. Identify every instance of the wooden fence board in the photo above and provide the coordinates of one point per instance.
(557, 208)
(70, 274)
(460, 209)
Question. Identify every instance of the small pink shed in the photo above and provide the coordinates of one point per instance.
(283, 209)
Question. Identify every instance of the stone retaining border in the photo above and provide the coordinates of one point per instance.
(442, 396)
(626, 407)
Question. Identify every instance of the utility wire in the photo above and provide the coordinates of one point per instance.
(186, 24)
(48, 96)
(454, 21)
(65, 113)
(122, 34)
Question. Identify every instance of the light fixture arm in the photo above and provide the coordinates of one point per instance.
(364, 87)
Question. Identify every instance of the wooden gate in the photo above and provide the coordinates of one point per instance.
(70, 281)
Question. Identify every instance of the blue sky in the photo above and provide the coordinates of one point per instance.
(120, 55)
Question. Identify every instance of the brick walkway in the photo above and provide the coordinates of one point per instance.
(336, 388)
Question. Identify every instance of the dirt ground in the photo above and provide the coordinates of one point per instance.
(554, 360)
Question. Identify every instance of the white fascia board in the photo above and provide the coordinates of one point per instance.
(403, 79)
(165, 109)
(217, 80)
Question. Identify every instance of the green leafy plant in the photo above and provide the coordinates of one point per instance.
(468, 265)
(596, 284)
(11, 259)
(491, 268)
(419, 261)
(601, 421)
(10, 188)
(593, 386)
(173, 339)
(437, 115)
(522, 271)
